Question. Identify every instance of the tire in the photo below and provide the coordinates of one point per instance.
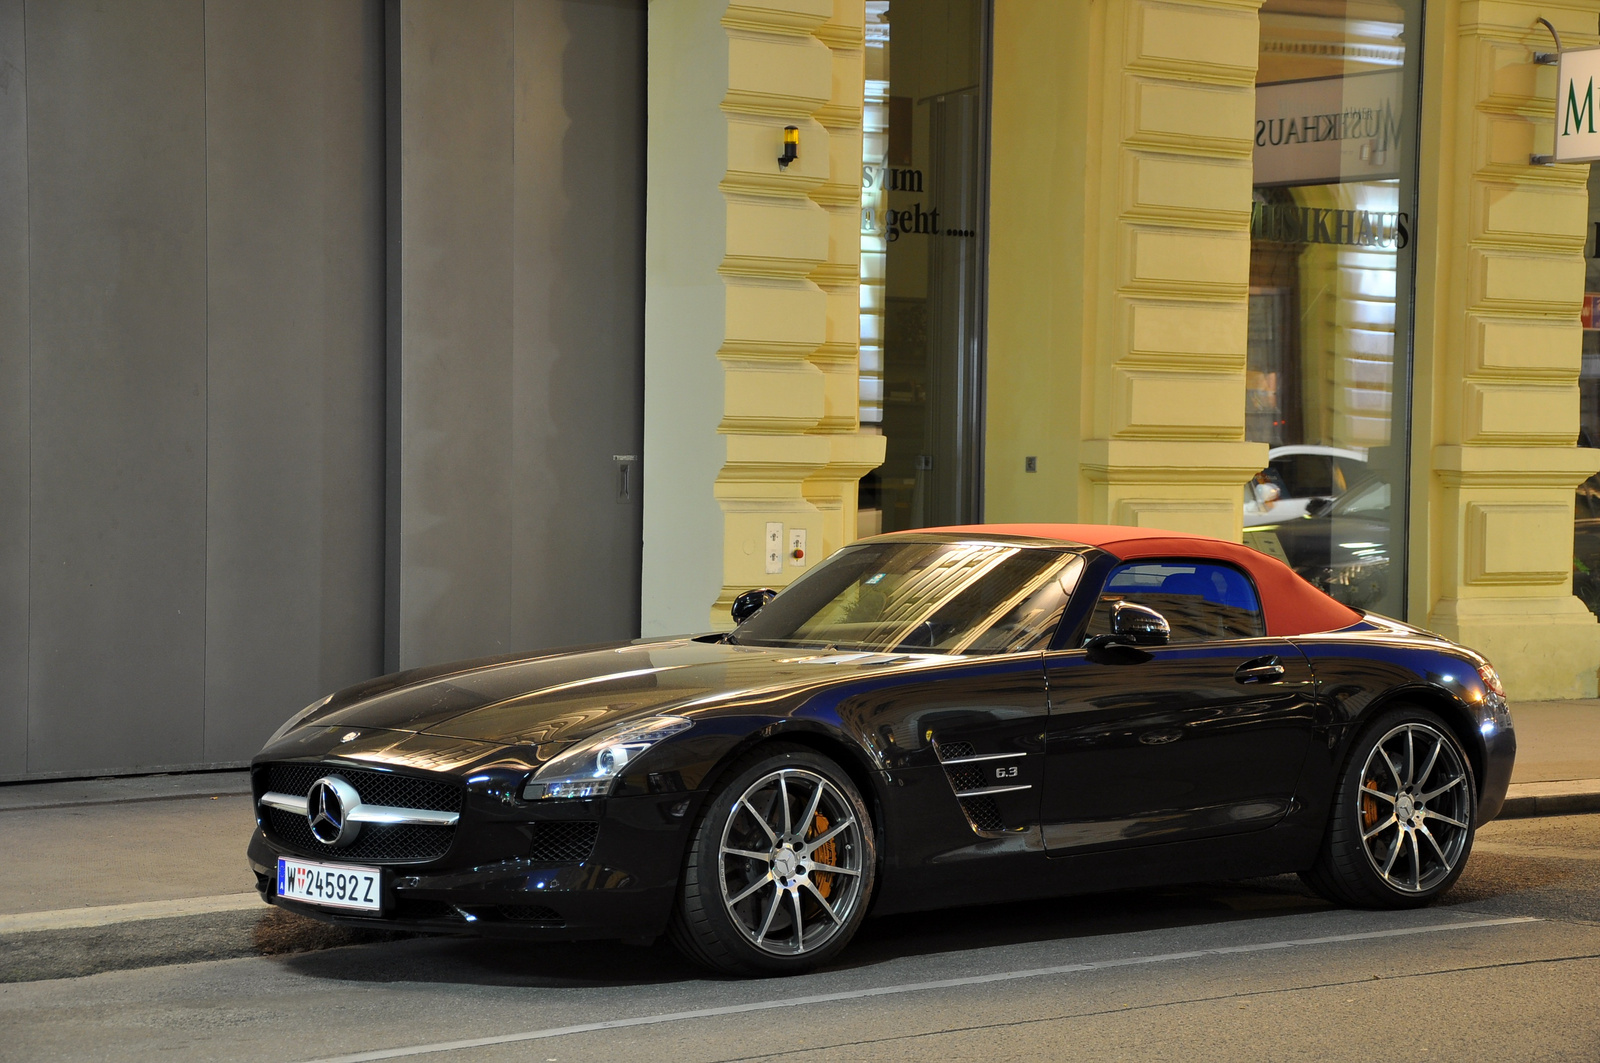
(1404, 814)
(754, 872)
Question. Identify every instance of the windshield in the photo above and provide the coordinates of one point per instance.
(950, 597)
(1371, 496)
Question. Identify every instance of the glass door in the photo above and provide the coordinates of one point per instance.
(923, 201)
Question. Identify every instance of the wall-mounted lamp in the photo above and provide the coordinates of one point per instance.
(791, 146)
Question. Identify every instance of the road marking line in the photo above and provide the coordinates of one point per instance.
(909, 987)
(108, 914)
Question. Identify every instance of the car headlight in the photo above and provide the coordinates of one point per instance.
(298, 718)
(591, 767)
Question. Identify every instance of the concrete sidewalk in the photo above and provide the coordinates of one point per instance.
(1558, 758)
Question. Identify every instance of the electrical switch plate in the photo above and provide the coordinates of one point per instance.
(797, 547)
(774, 547)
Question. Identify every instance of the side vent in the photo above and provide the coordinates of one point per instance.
(983, 812)
(964, 768)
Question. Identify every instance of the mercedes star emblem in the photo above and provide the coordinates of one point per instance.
(328, 808)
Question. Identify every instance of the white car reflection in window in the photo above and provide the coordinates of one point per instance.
(1297, 475)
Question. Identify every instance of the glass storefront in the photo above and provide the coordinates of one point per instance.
(1586, 516)
(922, 197)
(1327, 372)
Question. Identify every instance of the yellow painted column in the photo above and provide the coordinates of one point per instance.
(744, 345)
(1119, 262)
(851, 454)
(1500, 278)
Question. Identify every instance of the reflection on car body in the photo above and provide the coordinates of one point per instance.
(926, 719)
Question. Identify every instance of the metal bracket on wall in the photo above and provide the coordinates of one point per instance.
(625, 477)
(1548, 58)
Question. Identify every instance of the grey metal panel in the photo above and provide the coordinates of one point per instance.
(452, 348)
(13, 392)
(116, 160)
(579, 373)
(294, 507)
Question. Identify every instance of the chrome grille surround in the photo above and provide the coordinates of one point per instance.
(381, 843)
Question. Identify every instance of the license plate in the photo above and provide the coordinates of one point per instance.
(330, 885)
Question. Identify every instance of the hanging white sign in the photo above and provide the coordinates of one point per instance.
(1577, 139)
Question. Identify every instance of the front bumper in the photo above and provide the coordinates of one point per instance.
(624, 889)
(1500, 755)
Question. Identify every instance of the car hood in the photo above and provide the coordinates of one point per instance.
(567, 697)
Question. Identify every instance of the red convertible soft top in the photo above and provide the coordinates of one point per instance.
(1291, 605)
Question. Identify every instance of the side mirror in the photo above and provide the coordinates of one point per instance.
(749, 603)
(1134, 625)
(1318, 507)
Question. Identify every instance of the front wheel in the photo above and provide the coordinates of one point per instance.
(1403, 818)
(780, 866)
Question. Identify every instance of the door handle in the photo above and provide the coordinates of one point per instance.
(1260, 670)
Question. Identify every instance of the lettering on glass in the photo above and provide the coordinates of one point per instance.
(1287, 223)
(906, 219)
(1325, 130)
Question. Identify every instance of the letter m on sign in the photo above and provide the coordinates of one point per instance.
(1577, 127)
(1575, 113)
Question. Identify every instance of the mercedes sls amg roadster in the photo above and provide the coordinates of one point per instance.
(926, 719)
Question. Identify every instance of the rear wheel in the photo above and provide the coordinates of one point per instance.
(780, 867)
(1403, 817)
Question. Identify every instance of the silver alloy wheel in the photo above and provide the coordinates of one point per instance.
(790, 861)
(1415, 807)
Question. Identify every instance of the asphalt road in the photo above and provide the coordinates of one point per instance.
(1506, 968)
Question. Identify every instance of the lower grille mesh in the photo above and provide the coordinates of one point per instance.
(382, 843)
(531, 913)
(563, 841)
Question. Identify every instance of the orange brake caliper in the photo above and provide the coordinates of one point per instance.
(825, 854)
(1369, 805)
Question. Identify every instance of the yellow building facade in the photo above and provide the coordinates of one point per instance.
(1173, 287)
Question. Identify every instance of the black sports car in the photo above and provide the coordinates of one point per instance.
(926, 719)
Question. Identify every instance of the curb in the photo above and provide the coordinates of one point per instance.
(1551, 799)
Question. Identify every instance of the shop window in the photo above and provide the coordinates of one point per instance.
(1332, 224)
(922, 218)
(1586, 514)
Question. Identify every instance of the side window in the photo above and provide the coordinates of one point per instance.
(1201, 601)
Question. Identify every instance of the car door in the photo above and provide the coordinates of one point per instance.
(1204, 736)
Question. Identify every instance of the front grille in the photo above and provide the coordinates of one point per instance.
(983, 812)
(375, 787)
(377, 843)
(563, 841)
